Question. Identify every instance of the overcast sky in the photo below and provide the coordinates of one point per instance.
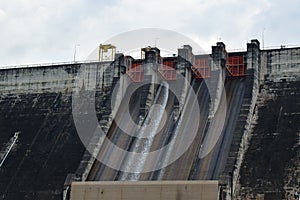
(43, 31)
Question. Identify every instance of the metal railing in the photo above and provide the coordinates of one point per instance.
(47, 64)
(283, 46)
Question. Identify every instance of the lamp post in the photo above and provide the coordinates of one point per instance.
(75, 48)
(263, 37)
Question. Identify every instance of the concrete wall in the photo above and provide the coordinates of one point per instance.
(280, 62)
(269, 162)
(150, 190)
(55, 78)
(34, 80)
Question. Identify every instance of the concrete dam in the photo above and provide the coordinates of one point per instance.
(188, 126)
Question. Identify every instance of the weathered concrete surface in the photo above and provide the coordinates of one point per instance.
(56, 78)
(37, 101)
(48, 147)
(37, 79)
(280, 63)
(146, 190)
(270, 169)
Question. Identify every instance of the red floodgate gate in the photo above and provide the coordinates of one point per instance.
(236, 66)
(167, 70)
(136, 73)
(201, 68)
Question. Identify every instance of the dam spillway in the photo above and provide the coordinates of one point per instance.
(37, 101)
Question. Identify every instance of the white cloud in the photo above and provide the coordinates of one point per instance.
(2, 14)
(34, 31)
